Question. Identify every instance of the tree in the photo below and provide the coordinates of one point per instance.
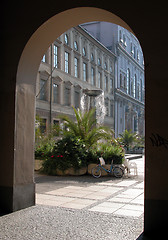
(128, 138)
(86, 127)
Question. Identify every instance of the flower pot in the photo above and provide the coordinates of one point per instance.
(38, 164)
(72, 172)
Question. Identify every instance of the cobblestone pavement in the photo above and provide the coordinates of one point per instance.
(81, 208)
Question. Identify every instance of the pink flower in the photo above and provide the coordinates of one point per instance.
(52, 156)
(58, 156)
(61, 156)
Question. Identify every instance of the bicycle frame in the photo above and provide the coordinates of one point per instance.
(106, 170)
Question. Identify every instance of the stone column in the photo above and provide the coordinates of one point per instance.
(17, 189)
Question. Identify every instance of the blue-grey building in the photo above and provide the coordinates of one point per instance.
(129, 74)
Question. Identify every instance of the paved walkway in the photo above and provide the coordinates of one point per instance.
(120, 197)
(80, 208)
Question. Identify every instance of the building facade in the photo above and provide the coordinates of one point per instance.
(129, 74)
(74, 62)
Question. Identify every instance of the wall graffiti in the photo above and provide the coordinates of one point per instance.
(158, 141)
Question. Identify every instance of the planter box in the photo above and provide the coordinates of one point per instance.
(38, 164)
(72, 172)
(107, 166)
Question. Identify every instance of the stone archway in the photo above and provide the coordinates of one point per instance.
(16, 164)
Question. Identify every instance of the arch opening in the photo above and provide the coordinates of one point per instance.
(26, 80)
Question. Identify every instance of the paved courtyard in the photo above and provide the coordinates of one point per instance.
(80, 208)
(120, 197)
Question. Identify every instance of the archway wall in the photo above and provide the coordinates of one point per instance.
(18, 93)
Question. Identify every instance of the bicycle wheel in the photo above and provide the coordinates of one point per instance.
(96, 172)
(118, 172)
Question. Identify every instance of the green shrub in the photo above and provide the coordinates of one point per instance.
(45, 140)
(44, 148)
(68, 152)
(109, 151)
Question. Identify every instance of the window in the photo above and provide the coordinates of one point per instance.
(138, 55)
(56, 122)
(125, 83)
(84, 51)
(43, 90)
(120, 80)
(111, 69)
(135, 124)
(107, 106)
(120, 36)
(67, 95)
(56, 127)
(124, 40)
(132, 88)
(92, 76)
(77, 99)
(134, 52)
(75, 45)
(135, 86)
(55, 93)
(111, 85)
(128, 81)
(84, 72)
(55, 56)
(99, 80)
(44, 58)
(106, 83)
(66, 62)
(99, 62)
(66, 39)
(105, 66)
(92, 57)
(138, 91)
(43, 125)
(76, 66)
(140, 94)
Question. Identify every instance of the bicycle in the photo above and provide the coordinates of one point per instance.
(118, 172)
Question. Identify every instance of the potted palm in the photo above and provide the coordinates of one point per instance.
(76, 143)
(127, 138)
(86, 128)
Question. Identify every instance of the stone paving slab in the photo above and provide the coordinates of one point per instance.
(108, 199)
(128, 213)
(123, 197)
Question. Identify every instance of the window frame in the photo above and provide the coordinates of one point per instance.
(66, 39)
(76, 67)
(55, 54)
(56, 97)
(66, 62)
(75, 45)
(43, 93)
(84, 72)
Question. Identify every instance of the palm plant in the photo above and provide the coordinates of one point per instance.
(86, 128)
(128, 138)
